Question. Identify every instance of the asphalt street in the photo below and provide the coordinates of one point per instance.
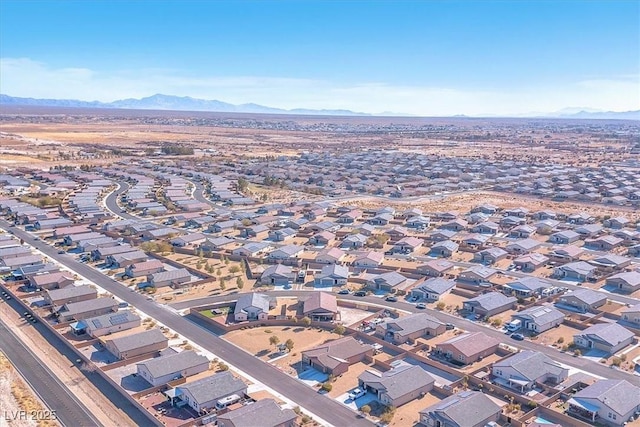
(467, 325)
(59, 400)
(305, 396)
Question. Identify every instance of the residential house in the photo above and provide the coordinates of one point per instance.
(409, 328)
(588, 230)
(282, 234)
(55, 280)
(321, 306)
(330, 256)
(125, 259)
(489, 304)
(617, 222)
(569, 253)
(527, 286)
(391, 281)
(173, 278)
(69, 294)
(522, 246)
(203, 394)
(286, 252)
(324, 238)
(435, 268)
(578, 270)
(253, 306)
(524, 370)
(608, 337)
(564, 237)
(604, 243)
(584, 300)
(432, 289)
(477, 275)
(522, 231)
(278, 274)
(631, 315)
(21, 261)
(399, 385)
(369, 259)
(110, 323)
(267, 411)
(530, 262)
(172, 366)
(145, 342)
(407, 244)
(610, 402)
(418, 222)
(252, 249)
(487, 227)
(354, 241)
(456, 225)
(441, 235)
(444, 248)
(629, 281)
(258, 232)
(463, 409)
(332, 275)
(334, 357)
(609, 263)
(539, 318)
(144, 268)
(467, 348)
(215, 244)
(84, 309)
(490, 256)
(475, 242)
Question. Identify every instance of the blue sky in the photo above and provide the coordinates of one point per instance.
(417, 57)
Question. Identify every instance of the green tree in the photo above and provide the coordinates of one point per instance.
(239, 283)
(223, 285)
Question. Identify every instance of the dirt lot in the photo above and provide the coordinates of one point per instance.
(409, 414)
(256, 341)
(552, 335)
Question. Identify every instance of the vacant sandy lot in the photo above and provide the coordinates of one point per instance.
(552, 335)
(256, 341)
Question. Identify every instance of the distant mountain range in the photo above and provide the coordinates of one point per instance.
(186, 103)
(172, 103)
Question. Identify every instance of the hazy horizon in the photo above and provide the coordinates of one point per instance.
(415, 58)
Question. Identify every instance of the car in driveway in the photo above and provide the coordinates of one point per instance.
(356, 393)
(421, 305)
(518, 337)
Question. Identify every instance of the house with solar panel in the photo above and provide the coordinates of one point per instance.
(107, 323)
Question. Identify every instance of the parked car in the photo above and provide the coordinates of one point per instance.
(450, 326)
(421, 305)
(391, 298)
(360, 293)
(356, 393)
(344, 292)
(517, 337)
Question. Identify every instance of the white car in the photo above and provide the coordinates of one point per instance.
(356, 393)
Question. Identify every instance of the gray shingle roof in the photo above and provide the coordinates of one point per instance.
(610, 333)
(466, 408)
(619, 395)
(399, 380)
(173, 363)
(531, 365)
(214, 387)
(141, 339)
(266, 410)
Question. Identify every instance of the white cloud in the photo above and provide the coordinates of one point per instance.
(28, 78)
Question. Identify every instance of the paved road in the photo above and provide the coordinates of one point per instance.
(111, 201)
(578, 362)
(68, 409)
(305, 396)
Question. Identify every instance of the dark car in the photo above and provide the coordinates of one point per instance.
(450, 326)
(360, 293)
(343, 292)
(517, 337)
